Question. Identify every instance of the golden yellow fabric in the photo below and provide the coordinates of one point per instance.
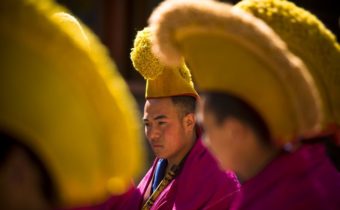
(161, 81)
(61, 93)
(231, 51)
(308, 38)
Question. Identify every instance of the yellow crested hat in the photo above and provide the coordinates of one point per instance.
(231, 51)
(161, 81)
(62, 95)
(311, 41)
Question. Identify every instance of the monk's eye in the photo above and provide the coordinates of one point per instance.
(161, 123)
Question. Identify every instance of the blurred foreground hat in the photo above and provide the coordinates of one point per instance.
(161, 81)
(230, 51)
(62, 95)
(310, 40)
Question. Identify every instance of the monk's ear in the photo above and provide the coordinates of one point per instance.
(189, 121)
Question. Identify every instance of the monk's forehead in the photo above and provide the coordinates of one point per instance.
(159, 106)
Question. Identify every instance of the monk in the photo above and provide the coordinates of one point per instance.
(262, 108)
(184, 174)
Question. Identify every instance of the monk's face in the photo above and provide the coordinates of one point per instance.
(223, 139)
(165, 129)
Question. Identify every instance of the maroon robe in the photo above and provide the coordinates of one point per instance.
(305, 179)
(199, 185)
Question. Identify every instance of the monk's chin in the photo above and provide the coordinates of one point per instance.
(159, 153)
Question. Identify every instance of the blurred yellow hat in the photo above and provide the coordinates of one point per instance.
(161, 81)
(231, 51)
(310, 40)
(61, 93)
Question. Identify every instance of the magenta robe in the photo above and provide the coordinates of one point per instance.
(199, 185)
(305, 179)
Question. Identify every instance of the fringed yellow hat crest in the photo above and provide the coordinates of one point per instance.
(311, 41)
(161, 81)
(67, 102)
(231, 51)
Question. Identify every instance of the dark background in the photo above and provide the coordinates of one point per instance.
(116, 23)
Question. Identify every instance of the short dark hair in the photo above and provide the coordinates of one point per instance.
(186, 104)
(223, 106)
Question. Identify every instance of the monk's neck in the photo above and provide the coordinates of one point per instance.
(254, 165)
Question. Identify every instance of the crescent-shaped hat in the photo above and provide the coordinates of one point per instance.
(63, 97)
(308, 38)
(231, 51)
